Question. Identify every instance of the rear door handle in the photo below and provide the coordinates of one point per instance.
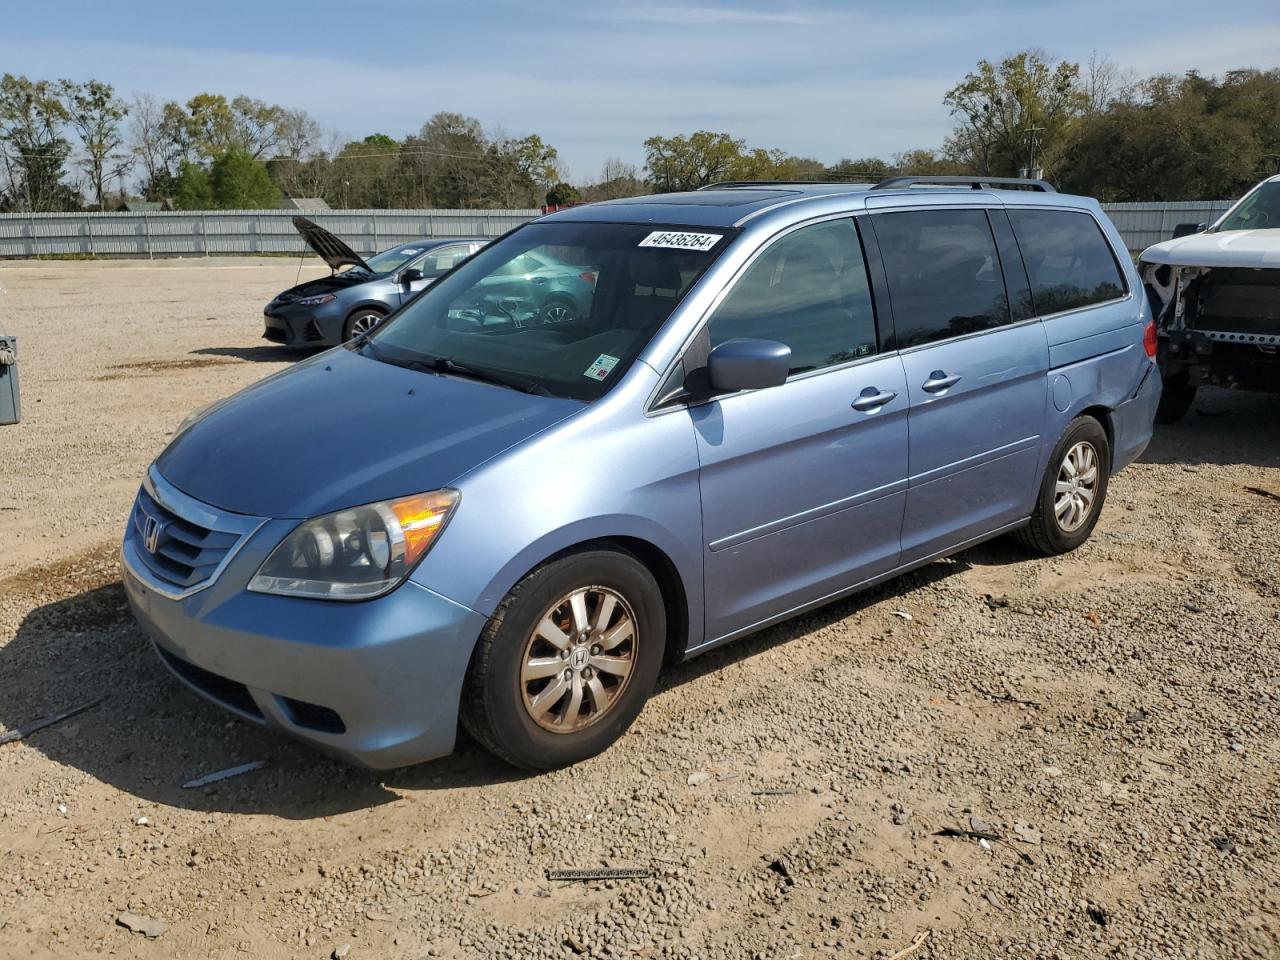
(872, 399)
(939, 381)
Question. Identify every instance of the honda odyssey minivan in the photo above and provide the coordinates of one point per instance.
(769, 396)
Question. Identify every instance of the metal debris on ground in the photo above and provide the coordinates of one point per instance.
(773, 792)
(916, 943)
(22, 733)
(1005, 697)
(217, 775)
(149, 927)
(984, 837)
(698, 777)
(600, 873)
(903, 615)
(1224, 844)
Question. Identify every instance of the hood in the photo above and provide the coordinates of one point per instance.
(331, 250)
(341, 429)
(1230, 248)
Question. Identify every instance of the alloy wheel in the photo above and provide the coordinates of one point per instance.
(1076, 486)
(364, 322)
(578, 659)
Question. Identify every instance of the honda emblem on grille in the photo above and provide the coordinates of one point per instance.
(151, 533)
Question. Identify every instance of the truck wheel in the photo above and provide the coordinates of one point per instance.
(1176, 399)
(1072, 491)
(567, 661)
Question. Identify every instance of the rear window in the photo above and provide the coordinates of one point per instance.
(1068, 260)
(944, 274)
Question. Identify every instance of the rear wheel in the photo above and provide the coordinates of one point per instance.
(1072, 491)
(360, 322)
(1175, 399)
(567, 661)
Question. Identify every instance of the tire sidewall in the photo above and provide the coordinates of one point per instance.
(1084, 428)
(517, 733)
(556, 300)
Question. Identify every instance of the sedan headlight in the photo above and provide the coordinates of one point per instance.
(357, 553)
(315, 301)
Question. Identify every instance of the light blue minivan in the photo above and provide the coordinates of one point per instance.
(774, 394)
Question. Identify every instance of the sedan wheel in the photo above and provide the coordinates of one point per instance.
(361, 323)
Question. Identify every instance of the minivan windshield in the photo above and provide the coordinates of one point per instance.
(553, 308)
(1259, 210)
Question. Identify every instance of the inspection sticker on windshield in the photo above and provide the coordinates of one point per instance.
(681, 241)
(601, 368)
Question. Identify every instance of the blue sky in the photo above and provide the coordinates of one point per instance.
(594, 79)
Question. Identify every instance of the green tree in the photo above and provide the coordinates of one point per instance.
(191, 187)
(33, 150)
(562, 194)
(96, 114)
(239, 182)
(689, 162)
(1017, 114)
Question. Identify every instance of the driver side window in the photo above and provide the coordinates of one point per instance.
(808, 290)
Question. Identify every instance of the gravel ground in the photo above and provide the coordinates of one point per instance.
(1111, 715)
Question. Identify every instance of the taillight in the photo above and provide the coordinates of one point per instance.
(589, 276)
(1149, 339)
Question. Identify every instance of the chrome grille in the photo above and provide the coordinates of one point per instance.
(178, 543)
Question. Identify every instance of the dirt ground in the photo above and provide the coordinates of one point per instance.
(1112, 715)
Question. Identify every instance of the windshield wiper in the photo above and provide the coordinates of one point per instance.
(449, 365)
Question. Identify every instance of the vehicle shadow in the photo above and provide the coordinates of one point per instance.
(267, 353)
(149, 734)
(1225, 427)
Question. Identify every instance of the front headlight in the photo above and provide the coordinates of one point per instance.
(357, 553)
(315, 301)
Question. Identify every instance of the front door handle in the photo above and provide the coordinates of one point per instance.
(939, 381)
(872, 399)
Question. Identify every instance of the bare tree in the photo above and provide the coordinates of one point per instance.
(95, 113)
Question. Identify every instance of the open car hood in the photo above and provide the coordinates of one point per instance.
(331, 250)
(1229, 248)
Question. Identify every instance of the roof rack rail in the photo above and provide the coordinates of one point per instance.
(973, 183)
(729, 184)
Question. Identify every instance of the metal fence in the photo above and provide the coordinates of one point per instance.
(249, 232)
(1142, 224)
(234, 232)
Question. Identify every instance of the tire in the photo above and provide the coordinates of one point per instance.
(355, 323)
(558, 311)
(1052, 529)
(1175, 399)
(510, 702)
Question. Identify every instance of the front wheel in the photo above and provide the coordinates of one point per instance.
(361, 322)
(567, 661)
(1072, 491)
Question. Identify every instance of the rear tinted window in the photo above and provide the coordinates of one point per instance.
(944, 274)
(1068, 260)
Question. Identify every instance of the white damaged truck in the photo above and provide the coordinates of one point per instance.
(1215, 292)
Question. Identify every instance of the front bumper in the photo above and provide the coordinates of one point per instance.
(377, 683)
(295, 326)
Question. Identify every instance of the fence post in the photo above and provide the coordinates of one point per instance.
(204, 233)
(146, 231)
(31, 229)
(88, 229)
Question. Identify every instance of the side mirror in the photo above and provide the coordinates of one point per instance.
(748, 365)
(410, 274)
(1186, 229)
